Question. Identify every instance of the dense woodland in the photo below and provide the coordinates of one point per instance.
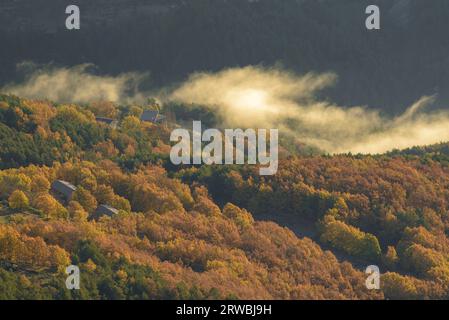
(389, 69)
(208, 232)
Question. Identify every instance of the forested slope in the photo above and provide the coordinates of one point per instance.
(195, 232)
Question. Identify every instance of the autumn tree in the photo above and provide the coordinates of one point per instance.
(40, 184)
(350, 239)
(9, 182)
(104, 109)
(86, 199)
(77, 212)
(130, 124)
(391, 259)
(50, 207)
(240, 216)
(399, 287)
(18, 200)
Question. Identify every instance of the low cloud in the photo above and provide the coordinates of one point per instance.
(75, 84)
(254, 97)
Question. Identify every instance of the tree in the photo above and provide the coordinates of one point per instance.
(420, 260)
(391, 258)
(203, 204)
(40, 184)
(240, 216)
(104, 109)
(18, 200)
(130, 124)
(77, 212)
(86, 199)
(10, 182)
(148, 196)
(400, 287)
(121, 203)
(350, 239)
(135, 111)
(50, 207)
(104, 194)
(59, 258)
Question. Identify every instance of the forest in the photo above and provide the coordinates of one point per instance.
(388, 69)
(209, 232)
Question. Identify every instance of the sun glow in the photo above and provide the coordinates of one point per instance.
(249, 99)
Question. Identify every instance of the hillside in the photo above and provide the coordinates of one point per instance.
(207, 232)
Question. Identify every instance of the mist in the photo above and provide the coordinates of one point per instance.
(75, 84)
(255, 97)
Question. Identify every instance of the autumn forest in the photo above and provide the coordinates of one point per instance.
(357, 117)
(205, 232)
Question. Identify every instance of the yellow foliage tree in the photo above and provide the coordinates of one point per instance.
(130, 124)
(77, 212)
(50, 207)
(240, 216)
(40, 184)
(86, 199)
(18, 200)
